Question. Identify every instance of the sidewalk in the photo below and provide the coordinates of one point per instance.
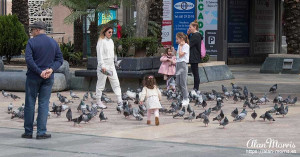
(174, 137)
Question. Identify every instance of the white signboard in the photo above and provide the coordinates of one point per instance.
(207, 16)
(167, 23)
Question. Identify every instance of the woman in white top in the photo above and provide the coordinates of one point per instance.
(105, 57)
(182, 58)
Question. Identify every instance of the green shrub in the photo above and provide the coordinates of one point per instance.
(149, 44)
(69, 53)
(13, 37)
(205, 59)
(76, 58)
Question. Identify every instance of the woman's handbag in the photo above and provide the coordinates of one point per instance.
(203, 50)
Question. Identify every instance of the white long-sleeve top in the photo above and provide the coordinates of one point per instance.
(105, 52)
(146, 92)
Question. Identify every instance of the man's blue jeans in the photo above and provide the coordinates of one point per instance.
(41, 88)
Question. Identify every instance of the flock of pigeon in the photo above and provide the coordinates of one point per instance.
(200, 99)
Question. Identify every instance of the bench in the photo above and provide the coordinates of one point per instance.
(130, 67)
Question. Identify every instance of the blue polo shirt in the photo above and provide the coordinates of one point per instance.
(42, 52)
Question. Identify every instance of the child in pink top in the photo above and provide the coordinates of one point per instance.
(167, 67)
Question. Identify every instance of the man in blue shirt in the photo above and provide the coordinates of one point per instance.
(43, 57)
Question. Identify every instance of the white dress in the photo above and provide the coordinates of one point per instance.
(152, 96)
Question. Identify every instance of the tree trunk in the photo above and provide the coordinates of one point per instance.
(78, 35)
(93, 38)
(156, 15)
(20, 8)
(292, 25)
(142, 17)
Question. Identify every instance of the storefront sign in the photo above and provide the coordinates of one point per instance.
(183, 15)
(207, 16)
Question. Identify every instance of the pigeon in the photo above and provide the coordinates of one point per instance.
(57, 110)
(251, 106)
(86, 117)
(119, 108)
(278, 99)
(263, 116)
(117, 63)
(273, 88)
(205, 120)
(219, 117)
(274, 109)
(264, 99)
(102, 117)
(191, 117)
(234, 113)
(245, 91)
(5, 94)
(204, 104)
(14, 96)
(254, 115)
(293, 102)
(131, 94)
(143, 109)
(80, 106)
(205, 113)
(93, 96)
(10, 107)
(180, 113)
(269, 117)
(64, 100)
(189, 109)
(69, 115)
(73, 95)
(136, 114)
(241, 116)
(235, 98)
(236, 87)
(64, 107)
(217, 107)
(283, 111)
(85, 96)
(224, 122)
(126, 112)
(224, 89)
(77, 120)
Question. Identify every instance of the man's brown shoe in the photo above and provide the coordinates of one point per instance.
(28, 136)
(156, 121)
(148, 122)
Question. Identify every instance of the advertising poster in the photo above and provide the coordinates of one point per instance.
(183, 15)
(103, 19)
(207, 16)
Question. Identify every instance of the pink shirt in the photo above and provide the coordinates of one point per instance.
(167, 67)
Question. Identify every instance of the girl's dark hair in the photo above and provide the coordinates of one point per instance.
(149, 81)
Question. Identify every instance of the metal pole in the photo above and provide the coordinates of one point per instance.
(5, 6)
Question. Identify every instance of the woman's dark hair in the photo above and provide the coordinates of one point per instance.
(149, 81)
(104, 30)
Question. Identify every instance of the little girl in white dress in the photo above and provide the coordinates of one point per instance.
(152, 95)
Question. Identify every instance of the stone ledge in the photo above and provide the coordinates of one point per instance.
(213, 63)
(15, 81)
(284, 56)
(273, 65)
